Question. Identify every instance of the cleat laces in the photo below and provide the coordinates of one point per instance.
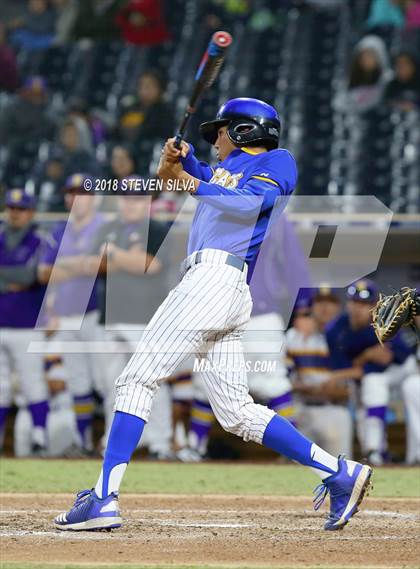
(320, 493)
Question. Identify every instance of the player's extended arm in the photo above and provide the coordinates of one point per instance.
(378, 354)
(256, 196)
(247, 202)
(347, 374)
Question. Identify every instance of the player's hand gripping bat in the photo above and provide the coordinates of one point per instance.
(207, 72)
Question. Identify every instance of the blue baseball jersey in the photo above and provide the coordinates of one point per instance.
(345, 344)
(237, 197)
(20, 308)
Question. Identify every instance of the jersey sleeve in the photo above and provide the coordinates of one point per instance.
(400, 349)
(278, 168)
(338, 358)
(100, 238)
(51, 246)
(194, 167)
(273, 176)
(247, 202)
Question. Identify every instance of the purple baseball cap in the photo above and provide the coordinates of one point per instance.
(76, 183)
(304, 299)
(363, 290)
(325, 292)
(20, 199)
(35, 83)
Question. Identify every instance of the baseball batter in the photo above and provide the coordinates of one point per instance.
(207, 311)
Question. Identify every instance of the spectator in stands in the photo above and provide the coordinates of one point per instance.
(8, 66)
(323, 4)
(47, 179)
(94, 128)
(27, 118)
(412, 16)
(35, 31)
(222, 13)
(66, 12)
(385, 14)
(123, 161)
(369, 74)
(77, 156)
(403, 91)
(142, 22)
(146, 116)
(95, 19)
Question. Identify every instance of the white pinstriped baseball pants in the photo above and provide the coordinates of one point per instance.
(204, 315)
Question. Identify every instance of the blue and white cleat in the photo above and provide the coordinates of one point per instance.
(91, 513)
(347, 488)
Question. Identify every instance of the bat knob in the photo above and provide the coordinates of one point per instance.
(222, 39)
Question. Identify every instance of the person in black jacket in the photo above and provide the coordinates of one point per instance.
(404, 90)
(27, 117)
(146, 116)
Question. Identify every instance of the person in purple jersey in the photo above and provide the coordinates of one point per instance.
(322, 399)
(207, 312)
(21, 296)
(353, 345)
(71, 297)
(136, 271)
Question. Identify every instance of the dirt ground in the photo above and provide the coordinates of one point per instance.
(215, 530)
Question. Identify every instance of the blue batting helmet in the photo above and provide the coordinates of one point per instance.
(249, 121)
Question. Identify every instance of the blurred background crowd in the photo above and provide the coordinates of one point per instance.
(90, 89)
(95, 86)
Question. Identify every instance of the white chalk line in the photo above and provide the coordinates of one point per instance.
(369, 513)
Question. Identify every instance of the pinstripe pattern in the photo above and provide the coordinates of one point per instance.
(204, 315)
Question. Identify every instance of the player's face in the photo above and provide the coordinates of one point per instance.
(325, 310)
(360, 313)
(223, 145)
(18, 218)
(133, 208)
